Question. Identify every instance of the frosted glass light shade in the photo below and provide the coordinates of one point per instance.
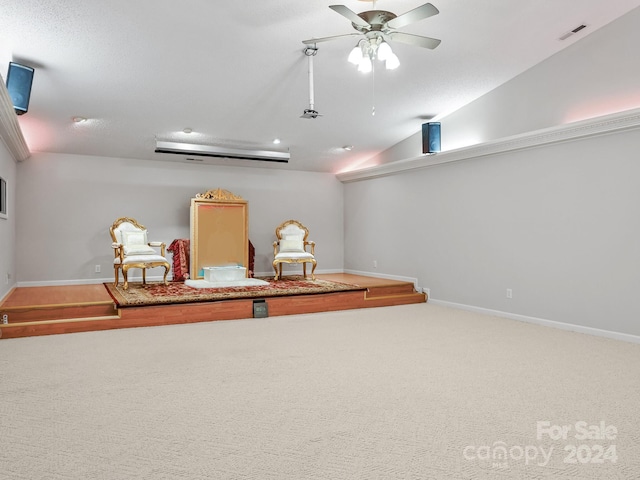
(384, 51)
(392, 62)
(365, 65)
(355, 56)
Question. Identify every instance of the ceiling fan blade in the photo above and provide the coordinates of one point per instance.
(417, 40)
(349, 15)
(419, 13)
(311, 41)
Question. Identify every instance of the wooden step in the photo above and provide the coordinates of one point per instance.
(36, 313)
(390, 290)
(394, 300)
(52, 327)
(37, 304)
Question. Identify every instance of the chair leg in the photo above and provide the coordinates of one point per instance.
(304, 270)
(125, 276)
(144, 276)
(166, 272)
(275, 269)
(280, 268)
(313, 269)
(116, 275)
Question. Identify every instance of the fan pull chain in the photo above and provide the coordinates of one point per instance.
(373, 90)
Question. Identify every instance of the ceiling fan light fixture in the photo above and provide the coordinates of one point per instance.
(365, 65)
(392, 62)
(356, 55)
(370, 49)
(384, 51)
(378, 26)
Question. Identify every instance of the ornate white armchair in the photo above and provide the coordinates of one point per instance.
(132, 250)
(291, 247)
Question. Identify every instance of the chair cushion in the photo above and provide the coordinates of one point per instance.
(294, 255)
(135, 243)
(291, 243)
(140, 259)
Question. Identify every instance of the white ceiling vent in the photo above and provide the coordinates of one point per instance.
(573, 32)
(221, 152)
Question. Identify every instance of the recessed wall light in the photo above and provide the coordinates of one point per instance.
(276, 141)
(188, 130)
(79, 119)
(348, 148)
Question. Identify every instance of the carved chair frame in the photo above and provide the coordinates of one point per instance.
(118, 250)
(277, 263)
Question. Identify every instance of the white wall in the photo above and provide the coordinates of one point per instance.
(593, 77)
(557, 224)
(66, 204)
(8, 225)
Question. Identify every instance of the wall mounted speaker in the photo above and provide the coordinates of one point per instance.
(431, 137)
(19, 80)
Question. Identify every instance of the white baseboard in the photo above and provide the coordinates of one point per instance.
(6, 295)
(625, 337)
(86, 281)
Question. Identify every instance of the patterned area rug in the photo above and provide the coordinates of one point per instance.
(177, 292)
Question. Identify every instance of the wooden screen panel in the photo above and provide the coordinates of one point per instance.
(219, 235)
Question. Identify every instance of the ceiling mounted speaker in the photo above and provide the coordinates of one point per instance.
(221, 152)
(431, 137)
(19, 80)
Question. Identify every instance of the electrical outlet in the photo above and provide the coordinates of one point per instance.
(509, 293)
(5, 319)
(97, 268)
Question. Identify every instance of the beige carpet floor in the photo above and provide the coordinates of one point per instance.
(413, 392)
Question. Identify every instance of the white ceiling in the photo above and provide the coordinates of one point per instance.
(235, 71)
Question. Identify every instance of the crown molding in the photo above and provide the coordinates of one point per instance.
(616, 122)
(10, 131)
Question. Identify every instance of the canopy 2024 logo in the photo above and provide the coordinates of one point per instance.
(595, 446)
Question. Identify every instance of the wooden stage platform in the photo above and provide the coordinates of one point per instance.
(35, 311)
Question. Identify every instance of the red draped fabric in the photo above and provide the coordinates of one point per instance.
(180, 250)
(252, 256)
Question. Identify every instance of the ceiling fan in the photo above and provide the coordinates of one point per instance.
(378, 26)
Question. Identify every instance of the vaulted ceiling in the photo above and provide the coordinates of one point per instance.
(236, 75)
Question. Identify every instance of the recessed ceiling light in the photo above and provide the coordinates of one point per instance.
(188, 130)
(276, 141)
(348, 148)
(79, 119)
